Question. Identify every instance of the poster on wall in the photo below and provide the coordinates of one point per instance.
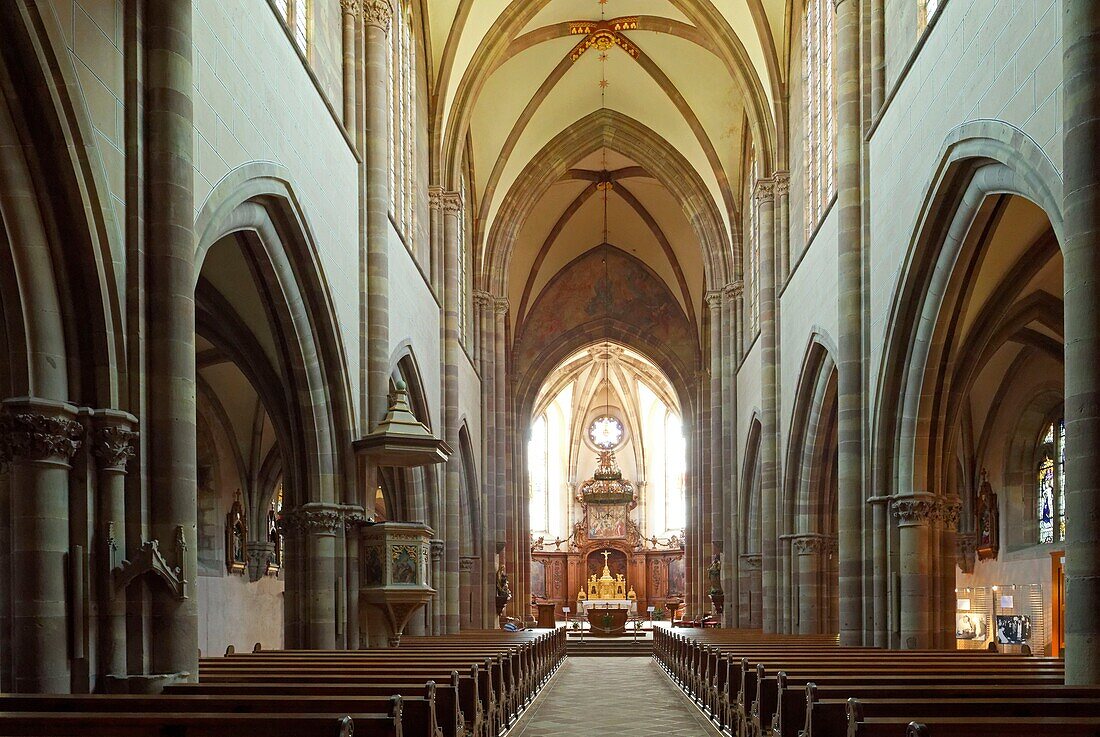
(607, 522)
(1013, 629)
(969, 626)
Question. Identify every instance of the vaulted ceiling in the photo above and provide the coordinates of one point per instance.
(556, 112)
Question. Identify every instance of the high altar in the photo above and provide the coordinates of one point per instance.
(605, 562)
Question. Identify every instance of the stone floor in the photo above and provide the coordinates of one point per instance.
(590, 697)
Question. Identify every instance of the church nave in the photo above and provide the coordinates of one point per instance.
(613, 695)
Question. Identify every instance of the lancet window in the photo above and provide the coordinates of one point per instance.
(402, 55)
(296, 14)
(820, 109)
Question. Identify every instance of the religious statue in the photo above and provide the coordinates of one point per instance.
(504, 590)
(607, 586)
(714, 580)
(988, 538)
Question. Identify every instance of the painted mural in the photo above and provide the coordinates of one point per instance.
(623, 291)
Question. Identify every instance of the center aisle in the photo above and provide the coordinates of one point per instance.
(612, 696)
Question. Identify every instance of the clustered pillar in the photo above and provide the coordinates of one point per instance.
(452, 350)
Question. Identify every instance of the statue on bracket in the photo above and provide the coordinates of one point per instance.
(989, 521)
(235, 535)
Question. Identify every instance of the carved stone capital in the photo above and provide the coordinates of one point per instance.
(782, 183)
(465, 564)
(734, 289)
(437, 547)
(451, 202)
(764, 191)
(378, 13)
(502, 305)
(483, 299)
(353, 518)
(915, 509)
(39, 432)
(350, 7)
(114, 446)
(714, 300)
(947, 512)
(315, 519)
(435, 197)
(813, 544)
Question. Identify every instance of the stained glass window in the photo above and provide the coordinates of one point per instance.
(1051, 497)
(606, 433)
(538, 469)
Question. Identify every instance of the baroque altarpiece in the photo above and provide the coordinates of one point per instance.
(606, 536)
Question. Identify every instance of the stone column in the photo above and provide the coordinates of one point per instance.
(452, 350)
(172, 424)
(810, 551)
(484, 304)
(5, 581)
(717, 453)
(439, 583)
(376, 17)
(769, 457)
(878, 56)
(38, 439)
(313, 529)
(354, 518)
(785, 583)
(730, 295)
(349, 18)
(500, 419)
(881, 572)
(1081, 250)
(915, 514)
(113, 445)
(752, 588)
(850, 395)
(947, 523)
(782, 226)
(468, 602)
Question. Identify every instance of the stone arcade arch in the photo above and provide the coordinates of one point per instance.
(926, 369)
(299, 367)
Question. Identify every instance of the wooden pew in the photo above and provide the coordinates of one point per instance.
(968, 726)
(100, 724)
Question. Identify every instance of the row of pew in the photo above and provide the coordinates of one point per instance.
(756, 685)
(473, 684)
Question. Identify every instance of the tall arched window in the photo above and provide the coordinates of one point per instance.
(296, 14)
(928, 10)
(820, 108)
(403, 125)
(752, 247)
(1051, 483)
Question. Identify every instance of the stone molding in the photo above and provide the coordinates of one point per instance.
(813, 544)
(39, 432)
(378, 13)
(915, 509)
(114, 446)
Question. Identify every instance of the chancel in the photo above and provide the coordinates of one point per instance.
(470, 368)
